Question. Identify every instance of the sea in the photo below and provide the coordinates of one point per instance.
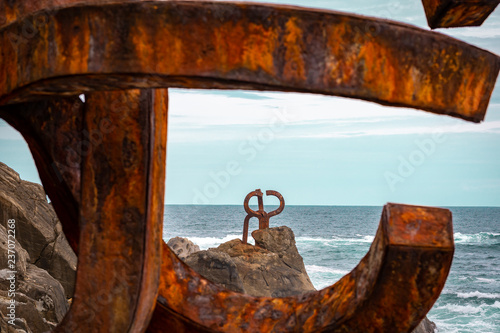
(333, 239)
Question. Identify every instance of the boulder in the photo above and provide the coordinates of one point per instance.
(27, 315)
(218, 267)
(182, 247)
(20, 325)
(37, 228)
(40, 300)
(425, 326)
(60, 261)
(281, 241)
(22, 257)
(273, 267)
(266, 269)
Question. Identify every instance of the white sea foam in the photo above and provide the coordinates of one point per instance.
(473, 325)
(482, 237)
(464, 309)
(336, 239)
(312, 239)
(208, 242)
(478, 294)
(323, 269)
(484, 280)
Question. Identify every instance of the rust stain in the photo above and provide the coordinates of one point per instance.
(364, 300)
(456, 13)
(116, 187)
(261, 214)
(202, 45)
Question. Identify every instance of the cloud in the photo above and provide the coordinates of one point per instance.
(488, 127)
(198, 117)
(479, 33)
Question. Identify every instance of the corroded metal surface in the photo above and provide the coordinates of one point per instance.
(261, 214)
(224, 45)
(390, 290)
(121, 213)
(53, 131)
(54, 48)
(457, 13)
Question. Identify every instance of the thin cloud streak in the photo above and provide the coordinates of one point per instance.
(486, 128)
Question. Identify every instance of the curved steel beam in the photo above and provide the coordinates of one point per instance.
(456, 13)
(116, 179)
(53, 129)
(194, 44)
(224, 45)
(391, 289)
(103, 165)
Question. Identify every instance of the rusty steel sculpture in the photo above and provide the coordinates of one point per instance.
(457, 13)
(102, 162)
(261, 214)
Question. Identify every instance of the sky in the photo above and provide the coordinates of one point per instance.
(323, 150)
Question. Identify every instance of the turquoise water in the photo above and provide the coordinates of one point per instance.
(333, 239)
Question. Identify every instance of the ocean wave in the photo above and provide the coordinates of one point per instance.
(484, 280)
(207, 242)
(463, 309)
(479, 238)
(323, 269)
(478, 294)
(473, 325)
(336, 239)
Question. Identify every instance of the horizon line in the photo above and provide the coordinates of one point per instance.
(328, 205)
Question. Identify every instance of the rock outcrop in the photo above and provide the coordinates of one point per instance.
(45, 264)
(182, 247)
(425, 326)
(40, 300)
(38, 230)
(273, 267)
(218, 267)
(22, 256)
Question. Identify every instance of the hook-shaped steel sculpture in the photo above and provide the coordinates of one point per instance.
(103, 162)
(261, 214)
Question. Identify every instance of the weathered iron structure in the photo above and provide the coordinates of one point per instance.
(261, 214)
(457, 13)
(102, 162)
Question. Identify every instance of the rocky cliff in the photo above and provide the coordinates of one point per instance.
(273, 267)
(45, 266)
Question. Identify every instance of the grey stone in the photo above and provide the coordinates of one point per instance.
(22, 257)
(182, 247)
(273, 270)
(25, 203)
(40, 300)
(425, 326)
(59, 259)
(20, 325)
(217, 267)
(37, 228)
(26, 311)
